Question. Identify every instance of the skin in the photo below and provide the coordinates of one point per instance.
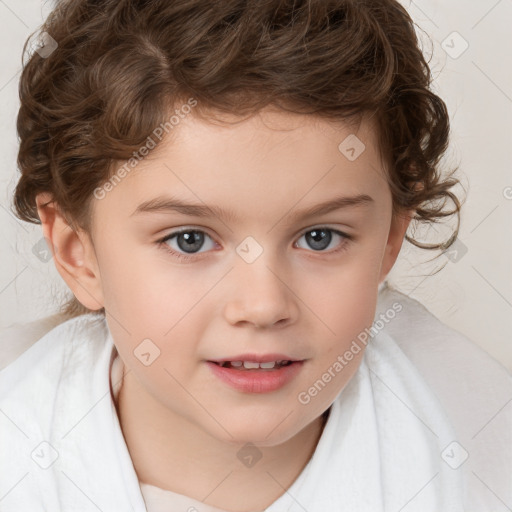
(182, 425)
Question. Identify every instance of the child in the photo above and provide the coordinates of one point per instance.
(270, 367)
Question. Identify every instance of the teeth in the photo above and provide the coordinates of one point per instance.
(252, 365)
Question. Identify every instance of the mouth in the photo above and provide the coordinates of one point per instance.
(254, 377)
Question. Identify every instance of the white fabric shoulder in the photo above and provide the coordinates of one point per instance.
(60, 441)
(475, 391)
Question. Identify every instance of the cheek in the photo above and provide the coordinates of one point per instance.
(138, 285)
(349, 316)
(150, 299)
(154, 301)
(345, 302)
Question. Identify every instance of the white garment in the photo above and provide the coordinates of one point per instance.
(390, 442)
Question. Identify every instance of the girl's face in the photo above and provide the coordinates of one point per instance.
(259, 267)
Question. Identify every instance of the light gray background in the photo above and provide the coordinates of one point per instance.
(472, 293)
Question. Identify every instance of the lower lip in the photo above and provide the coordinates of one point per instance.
(256, 381)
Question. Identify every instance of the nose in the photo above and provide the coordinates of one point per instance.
(260, 294)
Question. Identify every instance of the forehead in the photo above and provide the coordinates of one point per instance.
(245, 161)
(269, 127)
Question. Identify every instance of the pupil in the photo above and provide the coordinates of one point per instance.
(192, 240)
(318, 237)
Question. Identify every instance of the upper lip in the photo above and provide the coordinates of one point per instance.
(256, 358)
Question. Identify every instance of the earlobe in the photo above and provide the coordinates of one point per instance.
(396, 236)
(72, 252)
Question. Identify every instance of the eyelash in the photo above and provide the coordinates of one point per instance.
(188, 257)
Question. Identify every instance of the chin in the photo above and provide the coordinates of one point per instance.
(265, 433)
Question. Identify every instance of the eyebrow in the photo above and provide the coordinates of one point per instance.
(163, 204)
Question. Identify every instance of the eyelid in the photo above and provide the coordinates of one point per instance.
(324, 226)
(184, 229)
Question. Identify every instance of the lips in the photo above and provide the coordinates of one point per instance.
(256, 380)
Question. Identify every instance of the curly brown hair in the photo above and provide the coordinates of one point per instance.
(122, 65)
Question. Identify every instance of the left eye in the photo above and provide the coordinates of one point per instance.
(320, 238)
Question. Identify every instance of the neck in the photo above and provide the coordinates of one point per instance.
(171, 452)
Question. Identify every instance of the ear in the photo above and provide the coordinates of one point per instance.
(399, 225)
(73, 253)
